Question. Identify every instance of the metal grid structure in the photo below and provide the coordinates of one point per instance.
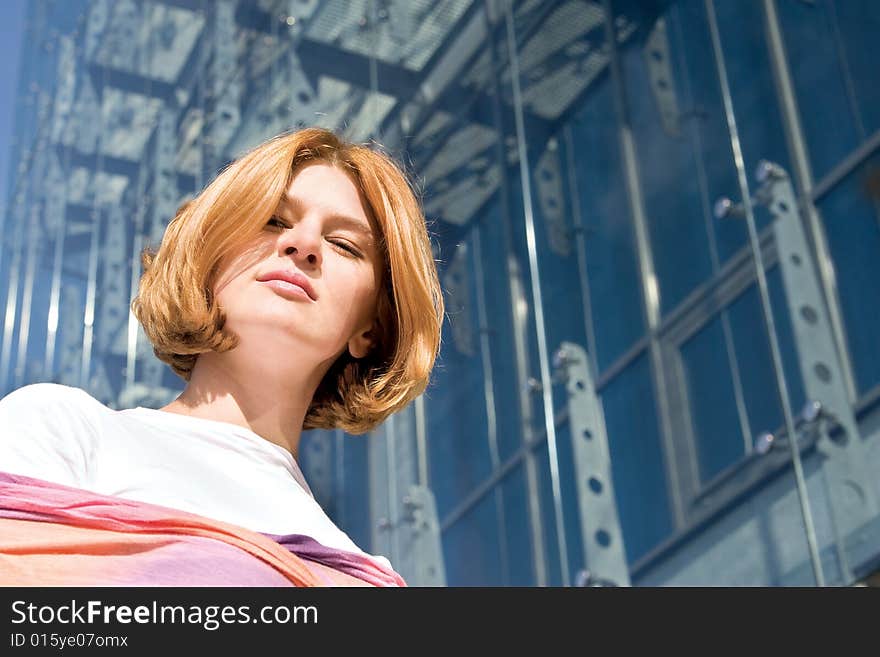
(132, 106)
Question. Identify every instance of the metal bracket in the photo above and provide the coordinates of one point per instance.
(853, 500)
(657, 58)
(423, 537)
(456, 282)
(405, 524)
(600, 526)
(418, 536)
(548, 179)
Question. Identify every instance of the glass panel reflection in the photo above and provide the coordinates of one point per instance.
(126, 109)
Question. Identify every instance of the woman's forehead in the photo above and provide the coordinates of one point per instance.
(353, 211)
(297, 205)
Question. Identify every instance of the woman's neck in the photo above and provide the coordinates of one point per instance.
(270, 403)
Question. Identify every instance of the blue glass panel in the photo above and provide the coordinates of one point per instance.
(570, 510)
(496, 284)
(16, 328)
(5, 258)
(666, 162)
(753, 93)
(470, 547)
(72, 297)
(525, 315)
(717, 431)
(852, 224)
(755, 363)
(552, 557)
(612, 266)
(750, 75)
(570, 503)
(857, 27)
(353, 515)
(826, 112)
(36, 349)
(637, 461)
(562, 296)
(520, 558)
(455, 405)
(754, 360)
(703, 121)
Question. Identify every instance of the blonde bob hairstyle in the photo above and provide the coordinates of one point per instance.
(175, 303)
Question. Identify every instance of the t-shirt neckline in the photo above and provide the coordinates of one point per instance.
(237, 430)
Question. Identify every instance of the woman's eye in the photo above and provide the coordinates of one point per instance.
(345, 246)
(276, 221)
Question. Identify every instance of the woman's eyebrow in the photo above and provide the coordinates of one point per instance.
(297, 206)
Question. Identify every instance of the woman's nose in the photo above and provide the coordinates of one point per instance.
(301, 244)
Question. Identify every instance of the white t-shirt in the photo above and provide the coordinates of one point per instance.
(214, 469)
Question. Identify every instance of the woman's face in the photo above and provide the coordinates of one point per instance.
(321, 235)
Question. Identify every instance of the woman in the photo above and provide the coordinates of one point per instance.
(297, 291)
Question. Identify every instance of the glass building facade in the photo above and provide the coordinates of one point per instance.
(657, 225)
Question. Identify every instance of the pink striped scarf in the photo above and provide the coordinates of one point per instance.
(54, 535)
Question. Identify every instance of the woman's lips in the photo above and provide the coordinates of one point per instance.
(292, 277)
(287, 290)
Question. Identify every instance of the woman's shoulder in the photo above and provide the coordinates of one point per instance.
(44, 396)
(52, 407)
(50, 431)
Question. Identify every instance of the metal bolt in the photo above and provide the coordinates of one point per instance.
(811, 411)
(562, 357)
(724, 208)
(764, 443)
(767, 170)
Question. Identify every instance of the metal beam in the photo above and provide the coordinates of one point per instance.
(107, 76)
(319, 58)
(194, 6)
(114, 165)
